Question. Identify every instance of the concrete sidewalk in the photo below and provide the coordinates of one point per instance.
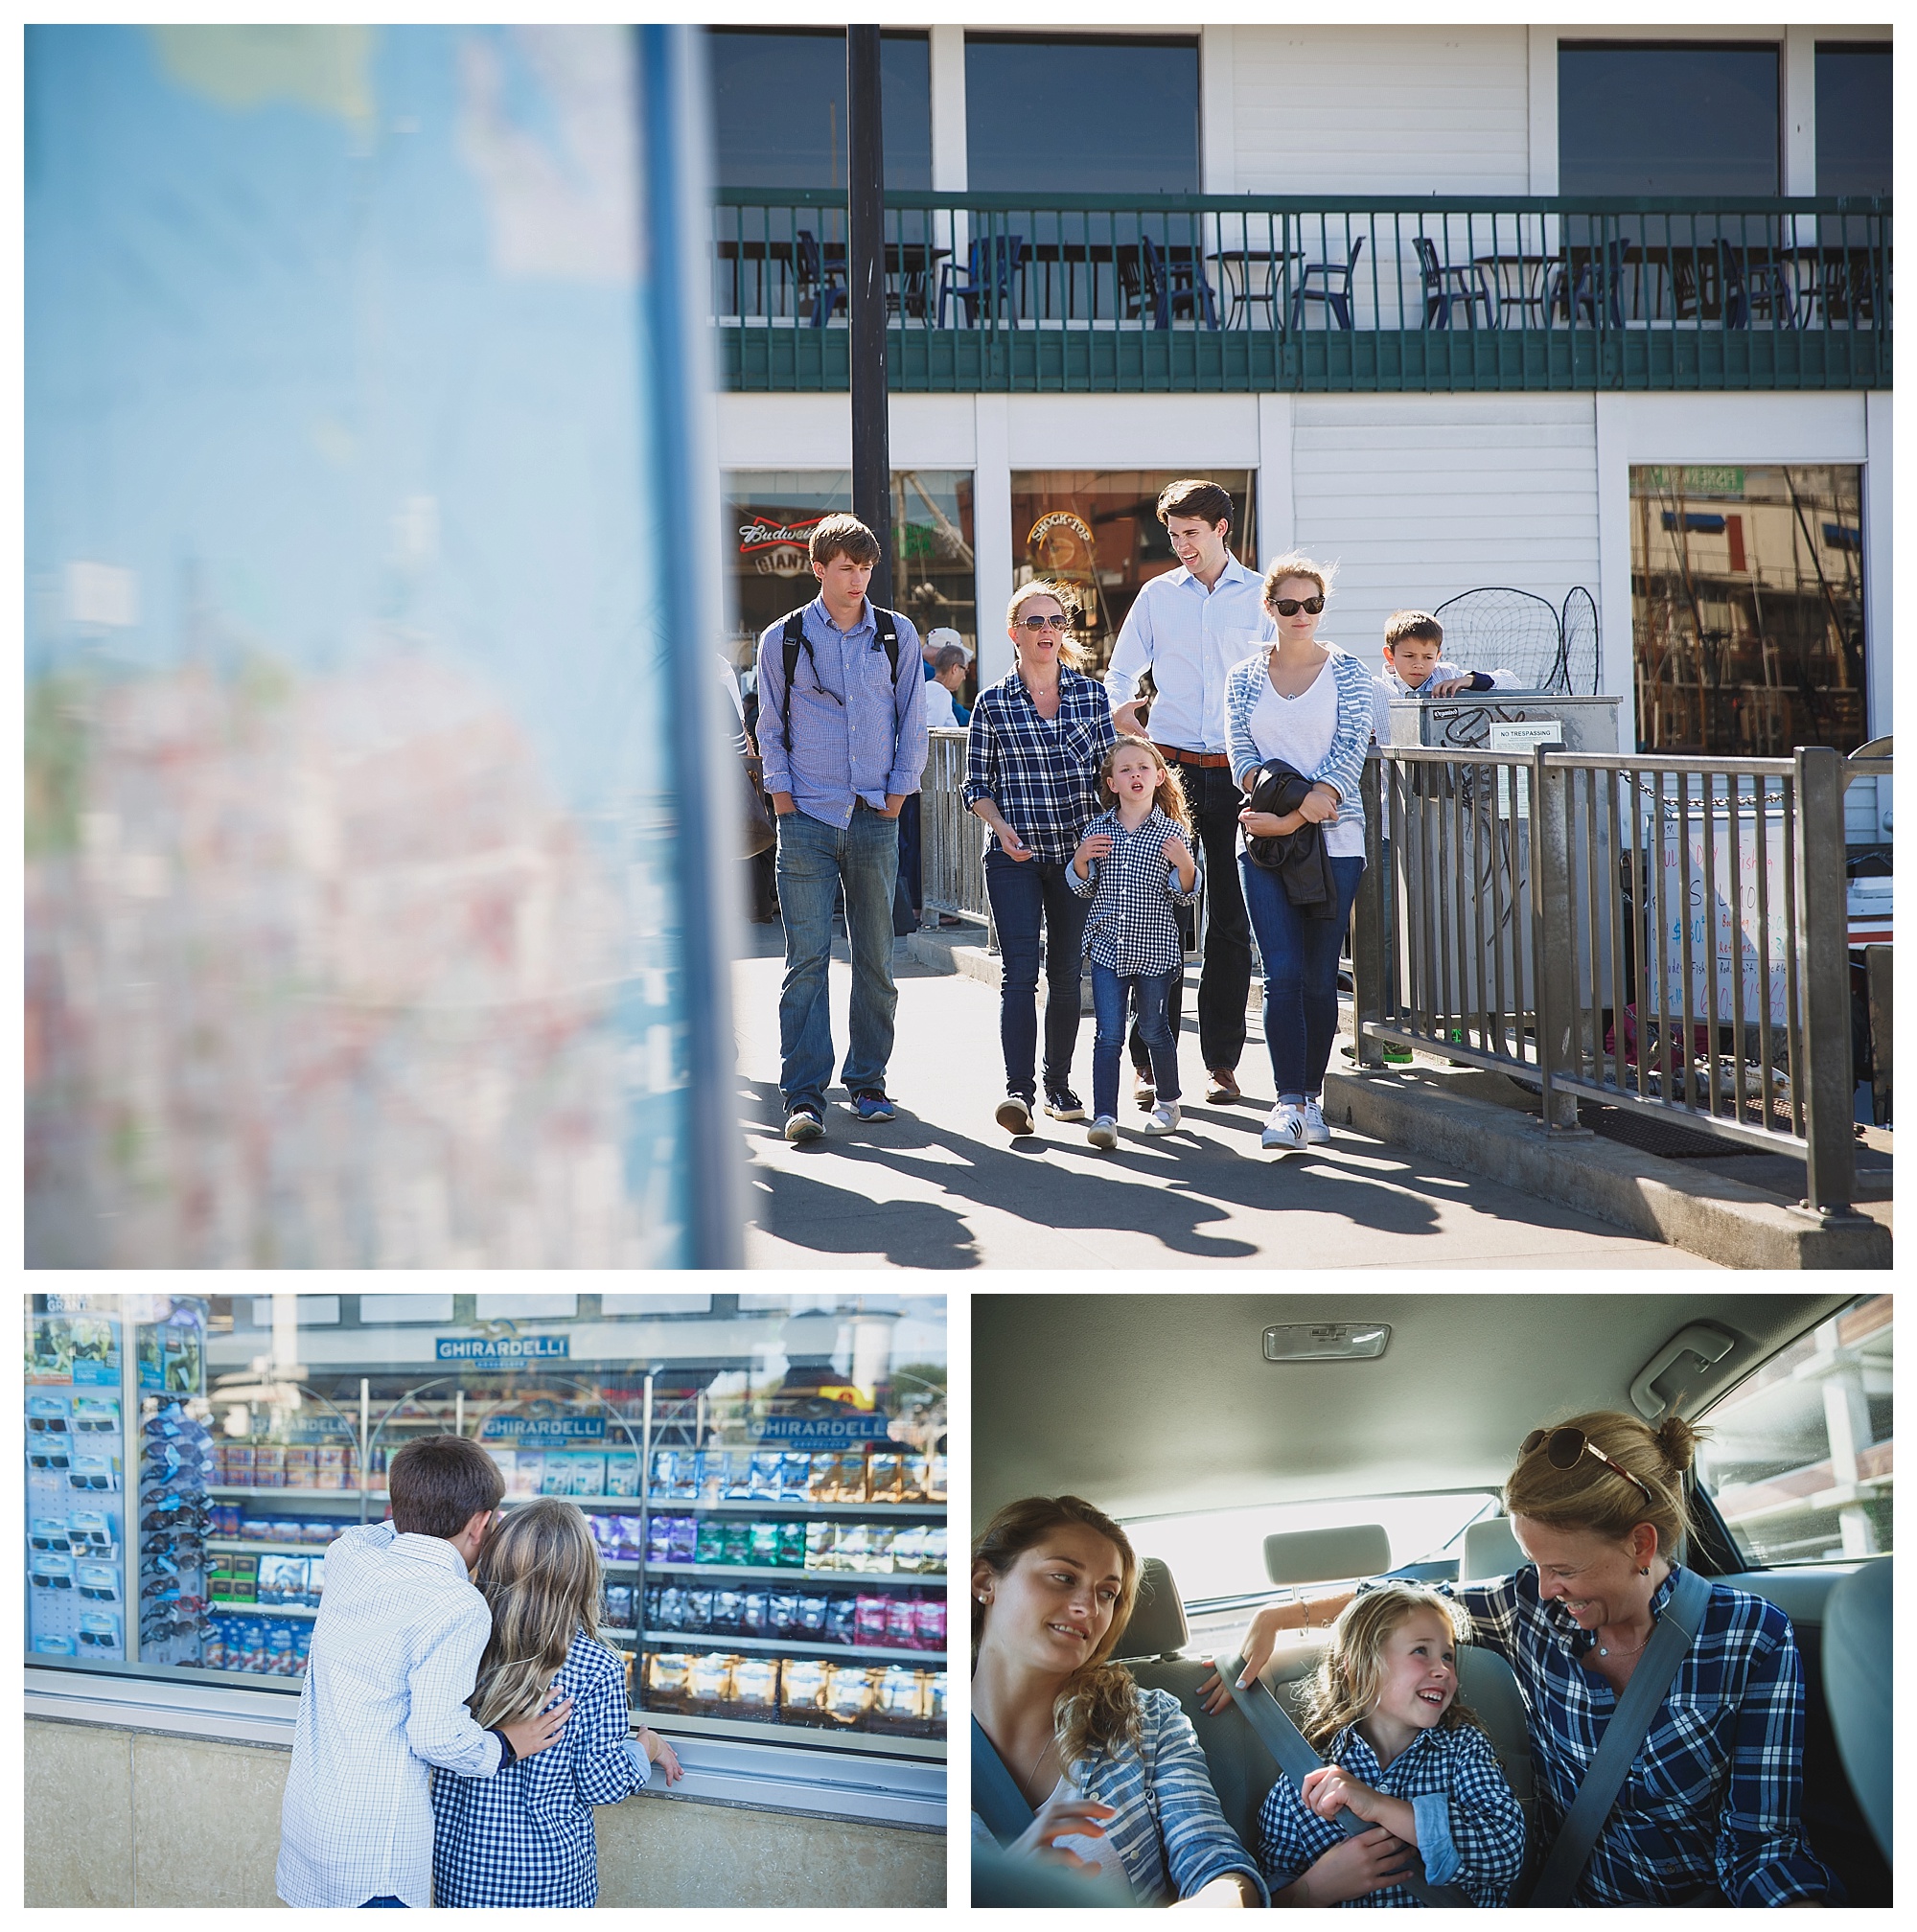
(943, 1186)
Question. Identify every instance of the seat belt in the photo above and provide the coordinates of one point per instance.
(1676, 1630)
(1297, 1759)
(995, 1795)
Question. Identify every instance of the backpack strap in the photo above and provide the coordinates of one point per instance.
(1297, 1759)
(795, 637)
(1677, 1627)
(887, 626)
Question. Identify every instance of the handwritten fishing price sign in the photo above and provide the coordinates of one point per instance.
(1727, 935)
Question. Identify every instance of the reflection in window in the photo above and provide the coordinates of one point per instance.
(768, 516)
(1027, 128)
(779, 107)
(1096, 533)
(1748, 608)
(1798, 1458)
(1853, 118)
(1666, 118)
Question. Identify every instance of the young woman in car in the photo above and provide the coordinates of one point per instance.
(1401, 1751)
(1114, 1774)
(1711, 1810)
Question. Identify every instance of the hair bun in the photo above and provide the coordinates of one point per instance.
(1678, 1441)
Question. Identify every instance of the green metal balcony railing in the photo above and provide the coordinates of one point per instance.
(1187, 293)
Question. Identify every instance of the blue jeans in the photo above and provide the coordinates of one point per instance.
(1301, 974)
(815, 859)
(1026, 895)
(387, 1901)
(1151, 991)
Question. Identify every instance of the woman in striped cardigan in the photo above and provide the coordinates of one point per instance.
(1114, 1774)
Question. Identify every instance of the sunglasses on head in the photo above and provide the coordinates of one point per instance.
(1037, 624)
(1290, 607)
(1563, 1447)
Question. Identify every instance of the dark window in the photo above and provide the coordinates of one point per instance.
(1074, 114)
(1853, 118)
(779, 107)
(1666, 118)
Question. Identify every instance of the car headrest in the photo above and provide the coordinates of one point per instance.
(1491, 1550)
(1327, 1555)
(1157, 1627)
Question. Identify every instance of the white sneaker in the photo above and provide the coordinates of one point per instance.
(1316, 1133)
(1284, 1128)
(1162, 1118)
(1103, 1132)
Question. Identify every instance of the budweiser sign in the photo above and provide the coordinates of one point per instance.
(760, 535)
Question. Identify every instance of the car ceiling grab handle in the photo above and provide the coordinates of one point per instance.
(1700, 1338)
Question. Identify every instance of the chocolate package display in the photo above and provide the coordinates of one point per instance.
(850, 1691)
(623, 1473)
(668, 1680)
(709, 1683)
(755, 1689)
(802, 1684)
(870, 1614)
(899, 1702)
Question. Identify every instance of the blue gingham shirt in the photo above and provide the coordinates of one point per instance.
(1388, 684)
(1041, 773)
(395, 1649)
(1343, 767)
(1714, 1795)
(525, 1837)
(1131, 928)
(1470, 1829)
(857, 731)
(1170, 1837)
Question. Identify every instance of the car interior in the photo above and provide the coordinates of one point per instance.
(1161, 1407)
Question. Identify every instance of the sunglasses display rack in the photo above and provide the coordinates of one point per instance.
(171, 1526)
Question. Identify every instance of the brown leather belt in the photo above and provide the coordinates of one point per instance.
(1208, 761)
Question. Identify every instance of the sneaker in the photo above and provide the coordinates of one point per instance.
(1396, 1055)
(1284, 1128)
(1223, 1088)
(1103, 1132)
(1062, 1104)
(1316, 1133)
(1162, 1118)
(873, 1105)
(1145, 1088)
(803, 1124)
(1014, 1114)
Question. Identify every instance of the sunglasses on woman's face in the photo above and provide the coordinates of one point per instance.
(1035, 625)
(1290, 607)
(1562, 1448)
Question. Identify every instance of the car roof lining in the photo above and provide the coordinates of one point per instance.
(1163, 1404)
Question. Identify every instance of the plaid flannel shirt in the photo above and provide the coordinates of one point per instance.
(1131, 928)
(524, 1836)
(1714, 1794)
(1042, 775)
(1470, 1829)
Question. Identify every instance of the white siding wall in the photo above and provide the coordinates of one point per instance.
(1420, 497)
(1360, 110)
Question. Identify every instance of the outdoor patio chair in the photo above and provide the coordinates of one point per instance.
(1600, 279)
(1174, 286)
(1760, 287)
(828, 279)
(1335, 295)
(991, 267)
(1447, 283)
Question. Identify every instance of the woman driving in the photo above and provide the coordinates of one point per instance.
(1709, 1813)
(1113, 1774)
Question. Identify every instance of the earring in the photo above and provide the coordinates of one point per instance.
(1646, 1571)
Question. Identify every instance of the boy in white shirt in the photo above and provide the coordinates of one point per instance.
(1414, 644)
(396, 1648)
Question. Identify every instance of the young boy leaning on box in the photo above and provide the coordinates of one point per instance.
(396, 1648)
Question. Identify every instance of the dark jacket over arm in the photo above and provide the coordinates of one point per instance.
(1299, 858)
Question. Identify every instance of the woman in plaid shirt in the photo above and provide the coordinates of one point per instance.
(1031, 763)
(1710, 1812)
(524, 1836)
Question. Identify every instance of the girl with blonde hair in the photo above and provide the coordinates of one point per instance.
(1402, 1753)
(1114, 1774)
(524, 1836)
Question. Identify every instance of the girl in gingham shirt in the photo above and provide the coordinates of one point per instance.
(1135, 864)
(524, 1836)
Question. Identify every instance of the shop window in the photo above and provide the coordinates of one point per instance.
(766, 1483)
(779, 107)
(1852, 117)
(1023, 132)
(1748, 608)
(1668, 117)
(768, 516)
(1096, 533)
(1798, 1458)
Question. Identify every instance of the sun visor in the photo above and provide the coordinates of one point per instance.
(1327, 1555)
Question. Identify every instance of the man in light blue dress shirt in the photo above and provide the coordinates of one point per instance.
(843, 748)
(1189, 627)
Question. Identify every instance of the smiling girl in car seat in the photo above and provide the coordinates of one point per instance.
(1401, 1752)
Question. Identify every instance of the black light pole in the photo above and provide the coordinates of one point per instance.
(866, 275)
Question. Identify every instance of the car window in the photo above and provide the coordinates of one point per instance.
(1798, 1460)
